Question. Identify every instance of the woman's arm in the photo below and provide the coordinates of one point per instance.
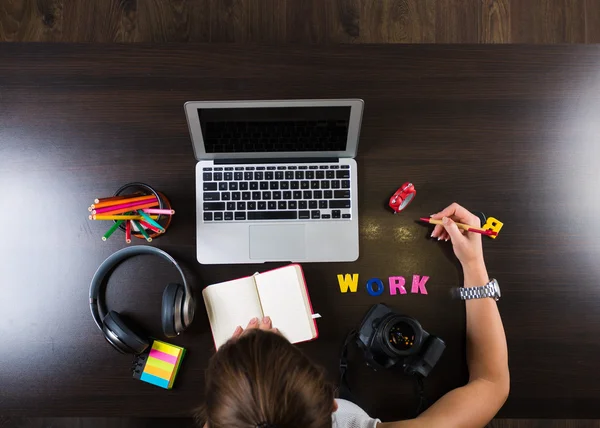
(476, 403)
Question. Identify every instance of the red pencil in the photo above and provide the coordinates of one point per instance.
(462, 226)
(128, 231)
(149, 226)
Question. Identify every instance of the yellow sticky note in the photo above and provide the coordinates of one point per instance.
(494, 225)
(163, 365)
(166, 348)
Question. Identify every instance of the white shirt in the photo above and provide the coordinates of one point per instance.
(349, 415)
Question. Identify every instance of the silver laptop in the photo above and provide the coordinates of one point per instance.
(276, 180)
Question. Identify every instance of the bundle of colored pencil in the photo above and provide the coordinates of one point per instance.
(139, 212)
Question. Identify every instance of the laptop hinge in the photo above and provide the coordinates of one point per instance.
(275, 160)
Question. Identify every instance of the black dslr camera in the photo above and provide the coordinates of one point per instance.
(388, 338)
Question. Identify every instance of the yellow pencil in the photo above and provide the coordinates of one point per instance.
(462, 226)
(119, 217)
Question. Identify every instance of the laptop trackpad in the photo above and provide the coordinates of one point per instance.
(278, 242)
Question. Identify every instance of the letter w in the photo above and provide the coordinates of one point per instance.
(348, 281)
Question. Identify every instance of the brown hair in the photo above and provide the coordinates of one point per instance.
(262, 378)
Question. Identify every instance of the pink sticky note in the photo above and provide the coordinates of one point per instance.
(164, 357)
(397, 285)
(418, 284)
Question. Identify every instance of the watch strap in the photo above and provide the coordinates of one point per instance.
(487, 290)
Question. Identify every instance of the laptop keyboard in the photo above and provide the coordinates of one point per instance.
(291, 192)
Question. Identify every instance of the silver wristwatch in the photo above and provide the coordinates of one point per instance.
(491, 289)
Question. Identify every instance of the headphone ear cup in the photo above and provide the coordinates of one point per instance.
(172, 305)
(114, 341)
(189, 307)
(127, 340)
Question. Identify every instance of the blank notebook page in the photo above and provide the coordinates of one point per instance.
(236, 302)
(283, 297)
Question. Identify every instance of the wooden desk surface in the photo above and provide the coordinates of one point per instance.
(512, 131)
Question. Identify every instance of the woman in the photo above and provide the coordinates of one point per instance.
(258, 379)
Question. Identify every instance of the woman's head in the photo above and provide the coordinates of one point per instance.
(260, 377)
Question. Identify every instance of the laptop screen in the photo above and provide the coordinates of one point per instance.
(275, 129)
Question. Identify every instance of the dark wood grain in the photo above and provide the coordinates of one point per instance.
(306, 21)
(397, 21)
(507, 130)
(265, 23)
(494, 25)
(457, 21)
(592, 21)
(548, 21)
(343, 20)
(302, 21)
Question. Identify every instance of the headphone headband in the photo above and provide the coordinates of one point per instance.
(97, 304)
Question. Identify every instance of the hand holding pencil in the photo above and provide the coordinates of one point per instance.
(467, 246)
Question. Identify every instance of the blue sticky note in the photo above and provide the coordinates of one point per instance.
(155, 380)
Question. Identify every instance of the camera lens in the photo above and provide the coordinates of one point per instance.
(401, 336)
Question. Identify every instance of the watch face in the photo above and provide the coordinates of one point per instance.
(497, 288)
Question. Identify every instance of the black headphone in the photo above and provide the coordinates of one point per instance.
(177, 304)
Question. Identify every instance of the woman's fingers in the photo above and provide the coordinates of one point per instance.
(458, 214)
(263, 324)
(437, 231)
(266, 324)
(252, 324)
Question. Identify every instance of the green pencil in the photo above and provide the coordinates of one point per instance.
(142, 230)
(149, 220)
(112, 230)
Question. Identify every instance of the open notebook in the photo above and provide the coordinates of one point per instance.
(280, 294)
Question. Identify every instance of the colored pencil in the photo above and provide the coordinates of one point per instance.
(118, 217)
(111, 230)
(149, 220)
(118, 209)
(142, 231)
(144, 198)
(128, 231)
(158, 211)
(149, 226)
(116, 198)
(462, 226)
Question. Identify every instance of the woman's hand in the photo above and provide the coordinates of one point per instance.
(264, 324)
(467, 245)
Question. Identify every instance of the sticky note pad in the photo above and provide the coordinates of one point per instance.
(159, 365)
